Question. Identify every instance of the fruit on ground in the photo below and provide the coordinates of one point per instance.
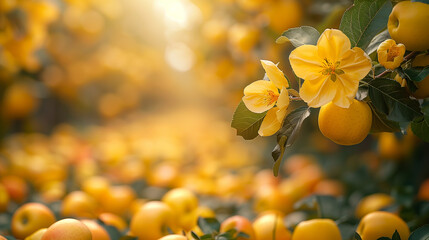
(240, 224)
(184, 204)
(174, 237)
(97, 231)
(152, 220)
(372, 203)
(382, 224)
(37, 235)
(67, 229)
(79, 204)
(270, 226)
(345, 126)
(113, 220)
(408, 25)
(16, 188)
(321, 229)
(118, 199)
(29, 218)
(4, 199)
(423, 86)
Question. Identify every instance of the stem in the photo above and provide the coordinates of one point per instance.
(295, 98)
(406, 58)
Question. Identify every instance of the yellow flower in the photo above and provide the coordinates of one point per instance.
(261, 96)
(331, 70)
(390, 54)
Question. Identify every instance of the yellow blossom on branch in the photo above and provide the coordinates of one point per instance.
(390, 54)
(271, 96)
(331, 70)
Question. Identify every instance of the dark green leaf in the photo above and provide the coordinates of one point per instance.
(390, 98)
(243, 235)
(422, 1)
(324, 206)
(10, 238)
(420, 127)
(376, 41)
(208, 225)
(417, 74)
(299, 36)
(357, 236)
(396, 236)
(384, 238)
(195, 236)
(113, 232)
(347, 230)
(288, 133)
(246, 122)
(207, 237)
(421, 233)
(380, 123)
(364, 20)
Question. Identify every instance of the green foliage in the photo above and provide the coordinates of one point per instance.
(321, 206)
(422, 1)
(211, 230)
(299, 36)
(364, 20)
(421, 233)
(376, 41)
(390, 98)
(416, 74)
(420, 125)
(288, 133)
(247, 122)
(395, 236)
(208, 225)
(357, 236)
(380, 123)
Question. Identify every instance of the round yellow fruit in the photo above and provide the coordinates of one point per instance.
(29, 218)
(270, 226)
(423, 86)
(320, 229)
(67, 229)
(408, 25)
(345, 126)
(372, 203)
(382, 224)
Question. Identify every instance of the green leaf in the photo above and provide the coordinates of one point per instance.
(195, 236)
(376, 41)
(357, 236)
(127, 238)
(420, 127)
(417, 74)
(421, 233)
(390, 98)
(247, 122)
(347, 230)
(384, 238)
(324, 206)
(288, 133)
(422, 1)
(208, 225)
(380, 123)
(299, 36)
(113, 232)
(396, 236)
(364, 20)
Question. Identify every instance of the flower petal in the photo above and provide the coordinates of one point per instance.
(306, 62)
(270, 125)
(332, 45)
(282, 104)
(319, 92)
(356, 63)
(275, 74)
(260, 96)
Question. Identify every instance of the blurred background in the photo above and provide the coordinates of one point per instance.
(142, 92)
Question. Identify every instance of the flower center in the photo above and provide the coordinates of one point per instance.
(331, 68)
(271, 97)
(392, 53)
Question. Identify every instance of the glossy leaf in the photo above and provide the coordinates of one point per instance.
(357, 236)
(325, 206)
(420, 127)
(417, 74)
(376, 41)
(380, 123)
(390, 98)
(288, 133)
(421, 233)
(299, 36)
(208, 225)
(247, 122)
(364, 20)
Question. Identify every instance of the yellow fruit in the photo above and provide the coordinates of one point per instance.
(270, 226)
(345, 126)
(382, 224)
(372, 203)
(408, 25)
(19, 100)
(320, 229)
(68, 228)
(184, 204)
(29, 218)
(423, 86)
